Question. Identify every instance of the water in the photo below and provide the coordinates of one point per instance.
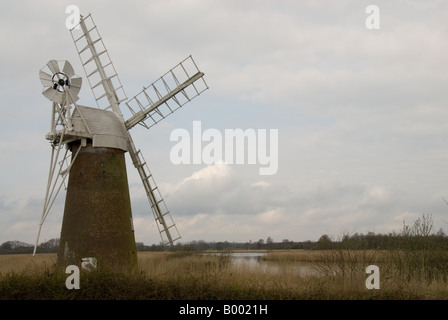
(248, 258)
(254, 260)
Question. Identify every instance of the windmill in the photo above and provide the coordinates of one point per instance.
(88, 146)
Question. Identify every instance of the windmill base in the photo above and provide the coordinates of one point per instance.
(97, 219)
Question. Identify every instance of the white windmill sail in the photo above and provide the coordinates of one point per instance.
(177, 86)
(100, 71)
(167, 94)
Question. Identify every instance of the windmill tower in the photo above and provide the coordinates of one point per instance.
(89, 146)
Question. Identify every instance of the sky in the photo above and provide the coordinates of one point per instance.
(360, 113)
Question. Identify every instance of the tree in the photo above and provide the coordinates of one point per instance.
(6, 245)
(324, 242)
(269, 242)
(423, 226)
(260, 244)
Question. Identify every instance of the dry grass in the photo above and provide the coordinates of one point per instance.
(189, 275)
(27, 264)
(216, 277)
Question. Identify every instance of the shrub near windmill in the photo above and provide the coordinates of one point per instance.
(97, 222)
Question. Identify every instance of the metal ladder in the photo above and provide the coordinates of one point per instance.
(165, 223)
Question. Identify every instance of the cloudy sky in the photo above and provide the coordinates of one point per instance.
(361, 114)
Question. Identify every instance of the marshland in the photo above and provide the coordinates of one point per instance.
(411, 265)
(290, 274)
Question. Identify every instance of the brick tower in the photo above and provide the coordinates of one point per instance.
(97, 219)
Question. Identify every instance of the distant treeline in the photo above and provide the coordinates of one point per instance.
(418, 236)
(353, 242)
(18, 247)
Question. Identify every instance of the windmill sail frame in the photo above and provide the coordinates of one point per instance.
(171, 91)
(167, 94)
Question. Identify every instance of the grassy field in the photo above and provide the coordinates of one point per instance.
(291, 275)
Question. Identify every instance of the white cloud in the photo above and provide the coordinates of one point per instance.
(201, 192)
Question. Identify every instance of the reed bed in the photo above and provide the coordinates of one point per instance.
(331, 274)
(27, 264)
